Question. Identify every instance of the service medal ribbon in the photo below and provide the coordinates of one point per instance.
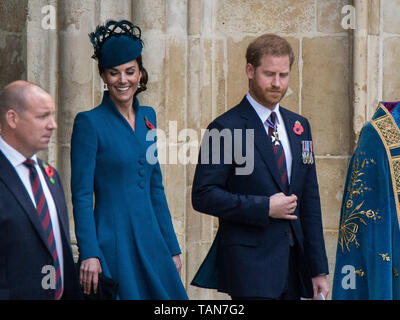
(307, 152)
(270, 124)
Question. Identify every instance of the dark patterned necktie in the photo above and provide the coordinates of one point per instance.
(280, 159)
(44, 217)
(278, 151)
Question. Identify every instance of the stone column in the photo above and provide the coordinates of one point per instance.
(107, 10)
(75, 76)
(112, 10)
(13, 16)
(41, 56)
(374, 87)
(390, 54)
(150, 16)
(360, 66)
(13, 62)
(164, 32)
(175, 117)
(205, 100)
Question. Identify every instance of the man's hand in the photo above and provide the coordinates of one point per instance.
(320, 284)
(282, 207)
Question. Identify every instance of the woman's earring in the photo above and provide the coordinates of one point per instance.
(105, 86)
(138, 85)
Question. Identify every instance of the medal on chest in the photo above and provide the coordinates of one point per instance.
(275, 138)
(274, 135)
(307, 152)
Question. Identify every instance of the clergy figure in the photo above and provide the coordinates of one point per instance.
(368, 255)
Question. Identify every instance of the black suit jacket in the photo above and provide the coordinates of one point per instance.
(249, 256)
(23, 246)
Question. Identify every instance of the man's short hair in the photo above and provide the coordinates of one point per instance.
(12, 97)
(268, 44)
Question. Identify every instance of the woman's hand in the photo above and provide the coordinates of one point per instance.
(89, 274)
(178, 263)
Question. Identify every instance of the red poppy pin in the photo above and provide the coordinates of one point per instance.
(49, 171)
(148, 123)
(298, 128)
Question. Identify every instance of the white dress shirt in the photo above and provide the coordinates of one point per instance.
(264, 113)
(17, 161)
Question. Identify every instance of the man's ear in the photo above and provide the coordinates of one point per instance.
(250, 70)
(12, 118)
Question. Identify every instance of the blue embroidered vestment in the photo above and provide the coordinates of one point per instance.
(368, 252)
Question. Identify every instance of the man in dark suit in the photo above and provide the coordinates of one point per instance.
(36, 259)
(269, 243)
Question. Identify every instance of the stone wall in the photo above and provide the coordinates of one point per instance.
(12, 41)
(194, 53)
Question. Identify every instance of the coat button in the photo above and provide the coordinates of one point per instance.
(141, 172)
(141, 161)
(141, 184)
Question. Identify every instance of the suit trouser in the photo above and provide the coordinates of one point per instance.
(292, 287)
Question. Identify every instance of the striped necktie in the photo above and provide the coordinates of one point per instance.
(278, 150)
(280, 159)
(44, 217)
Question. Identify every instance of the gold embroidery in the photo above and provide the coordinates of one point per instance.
(386, 127)
(389, 131)
(349, 226)
(385, 256)
(395, 272)
(396, 171)
(360, 273)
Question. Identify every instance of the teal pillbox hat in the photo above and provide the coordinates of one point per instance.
(119, 50)
(116, 43)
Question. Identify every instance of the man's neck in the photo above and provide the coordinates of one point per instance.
(11, 142)
(271, 107)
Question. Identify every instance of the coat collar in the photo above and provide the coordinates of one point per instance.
(141, 130)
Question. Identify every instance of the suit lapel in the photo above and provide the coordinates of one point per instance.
(261, 140)
(294, 142)
(17, 188)
(59, 200)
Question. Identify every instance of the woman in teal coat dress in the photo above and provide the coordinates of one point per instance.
(122, 221)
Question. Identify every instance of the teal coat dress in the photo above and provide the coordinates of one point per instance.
(120, 209)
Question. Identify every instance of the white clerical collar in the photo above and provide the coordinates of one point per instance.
(13, 155)
(263, 112)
